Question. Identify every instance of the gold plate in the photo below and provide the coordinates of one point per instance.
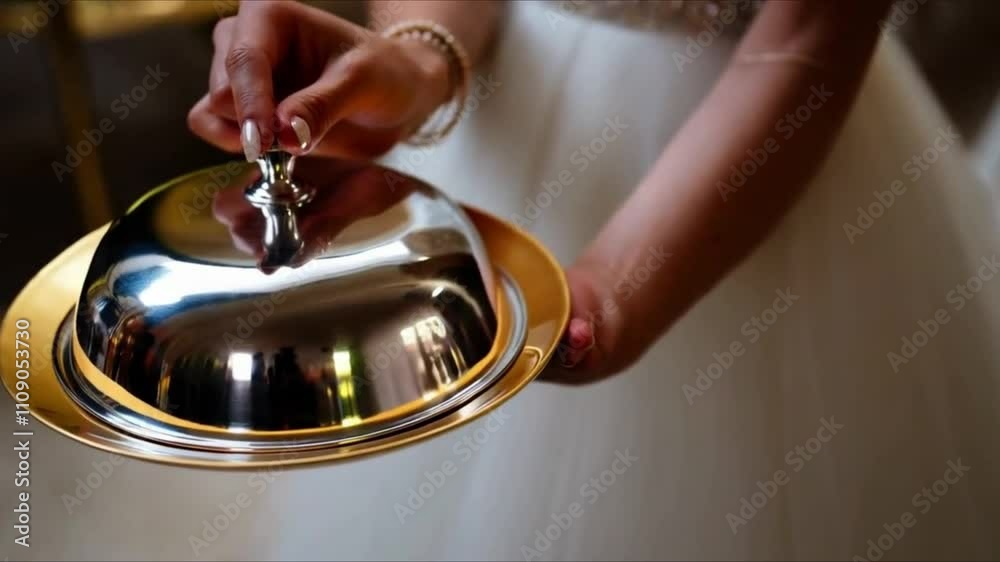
(51, 295)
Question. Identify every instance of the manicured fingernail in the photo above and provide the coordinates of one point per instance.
(581, 333)
(302, 133)
(251, 140)
(568, 362)
(573, 356)
(572, 360)
(563, 353)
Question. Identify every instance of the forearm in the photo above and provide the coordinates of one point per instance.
(685, 204)
(473, 23)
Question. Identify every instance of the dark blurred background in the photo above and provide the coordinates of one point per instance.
(65, 72)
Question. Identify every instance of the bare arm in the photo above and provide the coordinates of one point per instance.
(681, 205)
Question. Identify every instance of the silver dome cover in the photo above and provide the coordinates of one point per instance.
(235, 310)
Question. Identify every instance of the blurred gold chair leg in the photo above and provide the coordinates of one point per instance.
(74, 93)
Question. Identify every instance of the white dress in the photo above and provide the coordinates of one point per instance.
(987, 147)
(809, 442)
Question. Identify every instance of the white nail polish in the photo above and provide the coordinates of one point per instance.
(302, 133)
(251, 140)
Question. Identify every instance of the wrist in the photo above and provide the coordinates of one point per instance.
(448, 94)
(433, 68)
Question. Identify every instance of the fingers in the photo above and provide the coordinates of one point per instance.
(576, 345)
(577, 342)
(218, 78)
(215, 130)
(576, 356)
(249, 50)
(314, 110)
(578, 359)
(259, 41)
(588, 351)
(213, 118)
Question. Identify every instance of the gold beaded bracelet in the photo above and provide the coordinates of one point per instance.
(444, 119)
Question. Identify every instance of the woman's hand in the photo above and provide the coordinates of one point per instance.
(590, 350)
(319, 83)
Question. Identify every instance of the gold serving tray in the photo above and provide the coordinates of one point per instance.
(52, 294)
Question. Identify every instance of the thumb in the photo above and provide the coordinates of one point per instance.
(308, 115)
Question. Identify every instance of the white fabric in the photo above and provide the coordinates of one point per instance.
(825, 358)
(986, 147)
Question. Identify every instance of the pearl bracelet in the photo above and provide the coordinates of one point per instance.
(444, 119)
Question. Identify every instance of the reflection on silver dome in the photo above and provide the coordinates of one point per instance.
(219, 334)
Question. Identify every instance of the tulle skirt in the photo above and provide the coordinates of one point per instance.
(833, 398)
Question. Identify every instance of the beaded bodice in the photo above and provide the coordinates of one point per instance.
(724, 15)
